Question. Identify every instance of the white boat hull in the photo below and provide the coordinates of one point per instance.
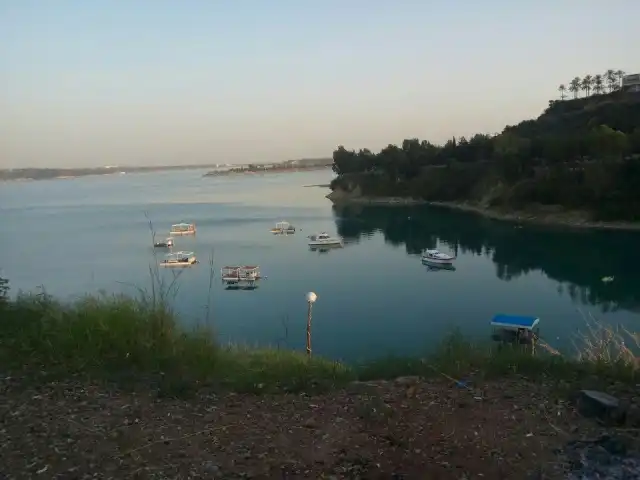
(190, 263)
(182, 233)
(163, 244)
(438, 261)
(325, 243)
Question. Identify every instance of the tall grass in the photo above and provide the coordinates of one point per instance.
(115, 337)
(606, 344)
(119, 336)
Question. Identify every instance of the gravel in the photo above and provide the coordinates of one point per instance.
(512, 429)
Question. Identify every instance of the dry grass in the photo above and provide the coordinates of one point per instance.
(606, 344)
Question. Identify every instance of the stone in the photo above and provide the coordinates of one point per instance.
(596, 404)
(409, 380)
(632, 417)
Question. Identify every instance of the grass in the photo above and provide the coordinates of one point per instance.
(118, 337)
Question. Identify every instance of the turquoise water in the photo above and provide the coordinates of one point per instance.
(374, 295)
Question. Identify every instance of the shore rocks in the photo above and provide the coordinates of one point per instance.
(607, 457)
(601, 405)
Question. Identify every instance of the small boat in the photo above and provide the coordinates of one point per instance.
(166, 243)
(516, 329)
(323, 239)
(435, 257)
(240, 276)
(179, 259)
(183, 229)
(283, 228)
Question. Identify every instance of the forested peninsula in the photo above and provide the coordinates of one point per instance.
(578, 163)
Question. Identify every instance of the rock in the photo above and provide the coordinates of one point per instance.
(410, 380)
(595, 404)
(616, 445)
(609, 456)
(211, 467)
(632, 417)
(310, 423)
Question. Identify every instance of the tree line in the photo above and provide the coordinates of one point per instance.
(609, 81)
(582, 156)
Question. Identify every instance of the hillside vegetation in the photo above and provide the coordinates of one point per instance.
(580, 155)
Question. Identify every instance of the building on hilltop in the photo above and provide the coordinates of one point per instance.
(631, 83)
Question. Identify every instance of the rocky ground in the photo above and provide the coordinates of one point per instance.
(401, 429)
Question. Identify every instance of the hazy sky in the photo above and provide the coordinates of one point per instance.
(143, 82)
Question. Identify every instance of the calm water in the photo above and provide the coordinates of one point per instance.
(90, 234)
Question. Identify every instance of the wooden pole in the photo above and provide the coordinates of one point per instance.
(309, 329)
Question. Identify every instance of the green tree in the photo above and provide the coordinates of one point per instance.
(607, 143)
(598, 84)
(4, 290)
(586, 84)
(563, 90)
(611, 79)
(578, 155)
(634, 141)
(574, 86)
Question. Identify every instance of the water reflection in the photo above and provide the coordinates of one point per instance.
(324, 248)
(438, 268)
(577, 259)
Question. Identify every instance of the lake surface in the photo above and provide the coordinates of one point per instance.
(374, 295)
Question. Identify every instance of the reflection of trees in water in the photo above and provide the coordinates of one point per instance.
(576, 259)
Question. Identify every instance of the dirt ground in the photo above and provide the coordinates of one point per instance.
(401, 429)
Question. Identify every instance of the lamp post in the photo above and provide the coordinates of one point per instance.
(311, 298)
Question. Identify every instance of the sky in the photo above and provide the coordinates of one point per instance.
(159, 82)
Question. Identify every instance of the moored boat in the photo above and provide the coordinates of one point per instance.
(324, 239)
(518, 329)
(240, 276)
(435, 257)
(283, 228)
(179, 259)
(183, 229)
(166, 243)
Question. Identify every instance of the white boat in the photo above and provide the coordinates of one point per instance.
(283, 228)
(179, 259)
(183, 229)
(240, 276)
(436, 257)
(166, 243)
(324, 239)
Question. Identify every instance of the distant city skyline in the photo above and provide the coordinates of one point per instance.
(88, 84)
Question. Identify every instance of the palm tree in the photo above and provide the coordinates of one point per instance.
(586, 84)
(620, 74)
(562, 89)
(574, 87)
(598, 84)
(611, 78)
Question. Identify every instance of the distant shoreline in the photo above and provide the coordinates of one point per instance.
(228, 173)
(34, 174)
(30, 174)
(546, 216)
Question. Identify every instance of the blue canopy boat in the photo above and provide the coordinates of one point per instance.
(515, 328)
